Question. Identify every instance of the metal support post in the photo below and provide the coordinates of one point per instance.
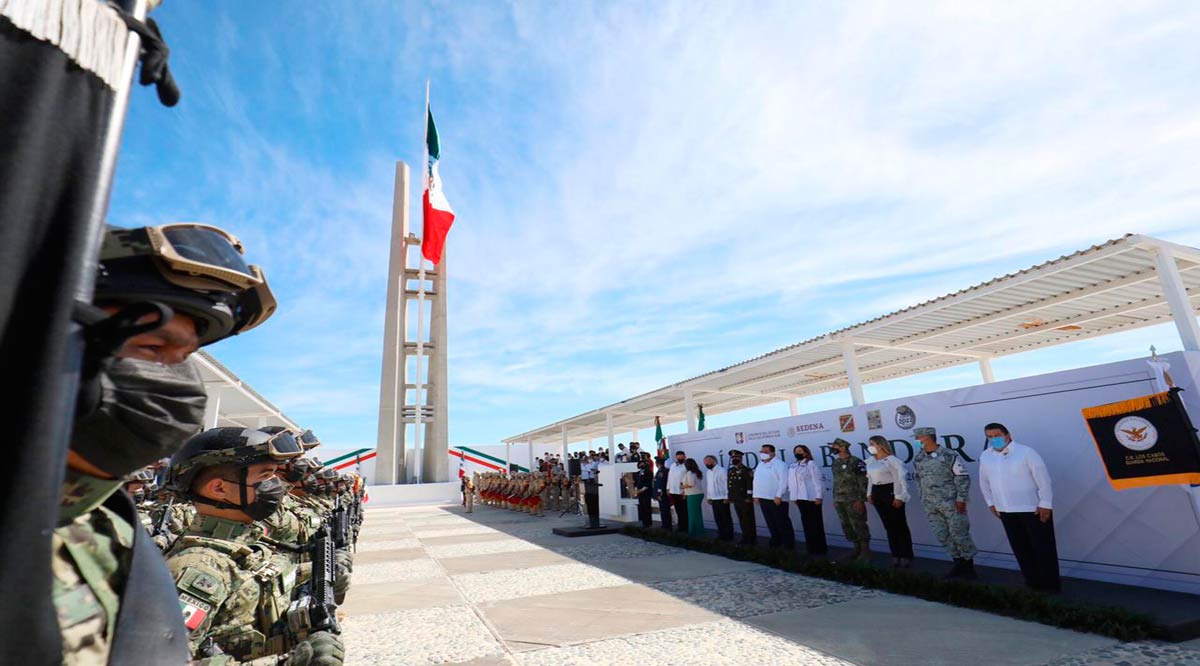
(212, 410)
(565, 446)
(1177, 299)
(985, 369)
(608, 422)
(852, 376)
(793, 406)
(689, 406)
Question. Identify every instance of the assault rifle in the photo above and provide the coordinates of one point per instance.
(338, 522)
(163, 527)
(314, 608)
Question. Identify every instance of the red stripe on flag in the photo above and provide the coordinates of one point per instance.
(355, 462)
(437, 226)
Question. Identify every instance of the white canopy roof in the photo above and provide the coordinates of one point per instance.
(232, 402)
(1097, 291)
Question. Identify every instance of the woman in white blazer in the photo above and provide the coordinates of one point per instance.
(806, 487)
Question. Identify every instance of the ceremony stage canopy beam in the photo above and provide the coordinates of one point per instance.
(232, 402)
(1127, 283)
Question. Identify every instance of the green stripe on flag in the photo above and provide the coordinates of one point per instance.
(338, 459)
(498, 461)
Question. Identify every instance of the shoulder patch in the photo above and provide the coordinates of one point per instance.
(201, 584)
(958, 468)
(194, 611)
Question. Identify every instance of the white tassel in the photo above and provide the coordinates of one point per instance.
(91, 34)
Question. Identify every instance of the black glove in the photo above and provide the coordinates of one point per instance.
(319, 649)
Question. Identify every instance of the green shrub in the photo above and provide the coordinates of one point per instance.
(1017, 602)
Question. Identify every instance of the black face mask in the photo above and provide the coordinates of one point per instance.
(735, 461)
(267, 496)
(138, 496)
(709, 466)
(146, 411)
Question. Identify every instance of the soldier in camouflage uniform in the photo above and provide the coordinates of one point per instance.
(140, 398)
(234, 589)
(944, 484)
(741, 485)
(849, 499)
(141, 488)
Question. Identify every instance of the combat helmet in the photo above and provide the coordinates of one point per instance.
(229, 446)
(196, 269)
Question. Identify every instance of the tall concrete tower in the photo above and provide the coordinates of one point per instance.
(413, 395)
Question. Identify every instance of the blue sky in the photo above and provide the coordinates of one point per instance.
(648, 191)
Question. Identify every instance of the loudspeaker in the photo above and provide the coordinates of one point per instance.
(574, 468)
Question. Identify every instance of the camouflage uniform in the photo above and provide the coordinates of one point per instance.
(232, 587)
(849, 487)
(943, 480)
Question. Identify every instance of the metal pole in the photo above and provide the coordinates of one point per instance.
(689, 406)
(852, 376)
(565, 446)
(530, 457)
(86, 285)
(1177, 298)
(794, 406)
(212, 410)
(985, 369)
(507, 456)
(608, 422)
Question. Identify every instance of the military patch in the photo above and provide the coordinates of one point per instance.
(194, 611)
(200, 583)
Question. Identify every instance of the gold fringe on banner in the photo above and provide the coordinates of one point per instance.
(1127, 406)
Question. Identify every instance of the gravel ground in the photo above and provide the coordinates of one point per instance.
(1147, 653)
(480, 548)
(552, 579)
(397, 544)
(388, 572)
(441, 635)
(722, 642)
(741, 594)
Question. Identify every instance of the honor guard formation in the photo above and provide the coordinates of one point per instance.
(228, 545)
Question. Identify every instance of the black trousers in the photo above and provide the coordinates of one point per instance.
(894, 520)
(746, 522)
(724, 519)
(813, 523)
(681, 512)
(664, 510)
(778, 523)
(591, 500)
(644, 508)
(1033, 543)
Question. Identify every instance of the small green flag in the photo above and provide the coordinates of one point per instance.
(700, 424)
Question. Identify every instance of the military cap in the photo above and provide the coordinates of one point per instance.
(735, 452)
(925, 431)
(840, 442)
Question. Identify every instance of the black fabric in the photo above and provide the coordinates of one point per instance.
(724, 518)
(1033, 544)
(591, 500)
(893, 519)
(1173, 457)
(746, 521)
(681, 512)
(664, 510)
(813, 523)
(150, 627)
(778, 523)
(52, 120)
(644, 514)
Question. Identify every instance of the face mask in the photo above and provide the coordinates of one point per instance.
(138, 496)
(267, 496)
(709, 466)
(997, 442)
(147, 410)
(735, 461)
(766, 456)
(872, 450)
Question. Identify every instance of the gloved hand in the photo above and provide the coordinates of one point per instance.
(319, 649)
(341, 581)
(343, 557)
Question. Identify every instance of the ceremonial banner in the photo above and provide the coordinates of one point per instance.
(1146, 441)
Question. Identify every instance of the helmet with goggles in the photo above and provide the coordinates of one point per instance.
(197, 269)
(239, 447)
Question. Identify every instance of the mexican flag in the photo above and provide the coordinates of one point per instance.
(438, 214)
(700, 425)
(658, 437)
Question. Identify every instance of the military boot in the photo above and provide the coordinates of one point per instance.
(956, 570)
(968, 571)
(858, 549)
(863, 553)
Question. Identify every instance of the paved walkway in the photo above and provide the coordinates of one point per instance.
(433, 585)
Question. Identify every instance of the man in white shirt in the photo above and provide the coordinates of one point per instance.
(675, 490)
(770, 494)
(1016, 487)
(589, 472)
(716, 491)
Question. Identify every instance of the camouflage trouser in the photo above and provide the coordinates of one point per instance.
(469, 496)
(951, 528)
(854, 524)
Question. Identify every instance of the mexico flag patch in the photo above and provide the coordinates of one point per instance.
(194, 611)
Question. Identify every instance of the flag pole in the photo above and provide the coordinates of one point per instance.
(419, 421)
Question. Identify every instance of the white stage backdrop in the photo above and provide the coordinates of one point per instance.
(1145, 536)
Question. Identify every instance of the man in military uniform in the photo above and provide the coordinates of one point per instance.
(944, 484)
(741, 486)
(849, 499)
(468, 490)
(140, 487)
(139, 399)
(234, 589)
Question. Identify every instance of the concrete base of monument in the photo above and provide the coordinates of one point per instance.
(414, 493)
(583, 531)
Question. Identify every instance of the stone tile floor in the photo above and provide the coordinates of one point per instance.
(618, 600)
